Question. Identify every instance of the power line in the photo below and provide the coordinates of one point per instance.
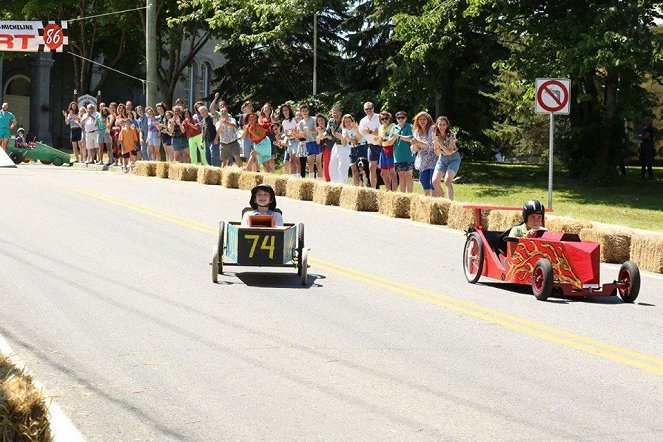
(108, 13)
(112, 69)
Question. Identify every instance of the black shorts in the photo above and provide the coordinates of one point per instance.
(75, 134)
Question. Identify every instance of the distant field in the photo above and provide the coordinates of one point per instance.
(628, 201)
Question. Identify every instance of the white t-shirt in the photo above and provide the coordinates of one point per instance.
(288, 125)
(89, 122)
(373, 124)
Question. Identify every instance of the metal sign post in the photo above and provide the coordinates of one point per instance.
(552, 97)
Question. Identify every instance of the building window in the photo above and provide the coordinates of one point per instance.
(191, 84)
(206, 73)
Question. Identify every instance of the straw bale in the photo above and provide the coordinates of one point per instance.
(460, 218)
(183, 172)
(278, 182)
(395, 204)
(647, 251)
(249, 180)
(210, 175)
(145, 168)
(615, 244)
(162, 169)
(363, 199)
(501, 220)
(301, 189)
(230, 178)
(23, 412)
(328, 194)
(565, 224)
(429, 210)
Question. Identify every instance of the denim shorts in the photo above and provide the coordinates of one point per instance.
(374, 152)
(404, 167)
(180, 143)
(448, 162)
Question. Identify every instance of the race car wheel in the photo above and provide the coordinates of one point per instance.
(16, 157)
(215, 267)
(302, 268)
(473, 257)
(220, 245)
(629, 274)
(46, 162)
(57, 161)
(542, 279)
(300, 247)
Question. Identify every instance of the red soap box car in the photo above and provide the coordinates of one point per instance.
(553, 261)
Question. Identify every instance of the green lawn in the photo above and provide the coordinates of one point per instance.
(628, 201)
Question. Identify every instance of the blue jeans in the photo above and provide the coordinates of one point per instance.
(144, 152)
(213, 154)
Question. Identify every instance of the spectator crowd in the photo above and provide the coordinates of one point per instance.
(332, 147)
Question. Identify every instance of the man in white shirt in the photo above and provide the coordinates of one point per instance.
(368, 127)
(89, 123)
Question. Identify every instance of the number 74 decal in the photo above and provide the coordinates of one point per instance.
(267, 244)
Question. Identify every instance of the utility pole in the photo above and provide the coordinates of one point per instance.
(315, 52)
(151, 54)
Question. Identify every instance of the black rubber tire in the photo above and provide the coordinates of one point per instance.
(473, 256)
(220, 245)
(629, 272)
(16, 157)
(45, 162)
(304, 267)
(215, 267)
(300, 247)
(57, 161)
(542, 279)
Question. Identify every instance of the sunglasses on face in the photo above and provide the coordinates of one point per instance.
(368, 108)
(402, 117)
(384, 119)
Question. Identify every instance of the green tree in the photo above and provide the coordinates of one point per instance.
(607, 49)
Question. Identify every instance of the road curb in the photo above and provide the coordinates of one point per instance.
(62, 428)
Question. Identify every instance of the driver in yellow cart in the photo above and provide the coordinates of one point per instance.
(533, 213)
(263, 202)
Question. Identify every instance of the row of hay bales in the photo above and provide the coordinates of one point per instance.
(617, 244)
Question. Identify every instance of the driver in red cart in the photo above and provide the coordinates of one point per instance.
(533, 213)
(263, 202)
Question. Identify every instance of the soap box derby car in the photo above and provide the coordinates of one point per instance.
(37, 151)
(260, 244)
(552, 261)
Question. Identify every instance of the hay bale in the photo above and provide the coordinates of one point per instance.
(23, 412)
(395, 204)
(162, 169)
(145, 168)
(565, 224)
(647, 251)
(183, 172)
(278, 183)
(301, 189)
(429, 209)
(501, 220)
(615, 244)
(230, 178)
(460, 218)
(249, 180)
(328, 194)
(363, 199)
(210, 175)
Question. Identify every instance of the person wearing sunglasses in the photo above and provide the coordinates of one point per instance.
(368, 127)
(403, 156)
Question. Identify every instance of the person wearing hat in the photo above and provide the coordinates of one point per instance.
(263, 202)
(20, 139)
(533, 213)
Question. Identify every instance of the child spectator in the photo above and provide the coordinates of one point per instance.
(386, 159)
(129, 139)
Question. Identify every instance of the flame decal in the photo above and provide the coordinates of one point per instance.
(527, 252)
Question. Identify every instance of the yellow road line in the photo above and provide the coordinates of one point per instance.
(523, 325)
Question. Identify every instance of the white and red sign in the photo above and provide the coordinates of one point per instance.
(552, 96)
(33, 36)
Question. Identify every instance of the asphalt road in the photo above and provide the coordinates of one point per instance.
(105, 291)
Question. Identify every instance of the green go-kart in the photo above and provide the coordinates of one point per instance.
(37, 151)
